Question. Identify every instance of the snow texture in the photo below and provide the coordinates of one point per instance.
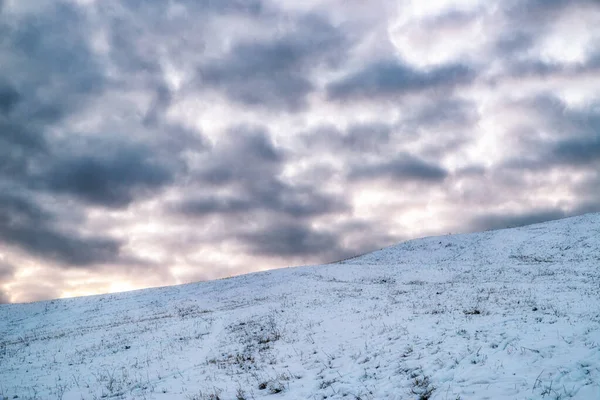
(508, 314)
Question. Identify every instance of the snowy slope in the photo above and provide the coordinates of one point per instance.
(509, 314)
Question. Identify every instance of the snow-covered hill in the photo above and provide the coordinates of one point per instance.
(509, 314)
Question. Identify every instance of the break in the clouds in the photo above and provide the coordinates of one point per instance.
(149, 143)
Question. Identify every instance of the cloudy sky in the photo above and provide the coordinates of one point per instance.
(147, 143)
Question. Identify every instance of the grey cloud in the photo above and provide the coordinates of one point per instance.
(246, 154)
(54, 75)
(531, 68)
(16, 209)
(162, 100)
(18, 147)
(299, 201)
(589, 192)
(566, 136)
(444, 113)
(284, 238)
(403, 168)
(532, 11)
(449, 117)
(276, 197)
(62, 61)
(9, 97)
(392, 78)
(71, 249)
(249, 164)
(141, 37)
(527, 24)
(31, 228)
(111, 180)
(578, 151)
(511, 220)
(359, 237)
(588, 206)
(223, 7)
(356, 138)
(365, 136)
(527, 68)
(512, 42)
(564, 121)
(211, 204)
(276, 73)
(287, 239)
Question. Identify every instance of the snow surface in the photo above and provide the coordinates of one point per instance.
(509, 314)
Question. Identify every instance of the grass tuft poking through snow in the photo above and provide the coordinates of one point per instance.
(509, 314)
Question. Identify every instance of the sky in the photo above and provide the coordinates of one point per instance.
(155, 143)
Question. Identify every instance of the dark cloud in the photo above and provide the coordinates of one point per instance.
(532, 11)
(144, 36)
(55, 76)
(17, 209)
(534, 68)
(586, 206)
(356, 138)
(513, 43)
(9, 97)
(200, 7)
(52, 74)
(33, 229)
(285, 239)
(211, 204)
(359, 237)
(111, 180)
(588, 191)
(446, 113)
(367, 136)
(51, 59)
(511, 220)
(244, 154)
(404, 168)
(559, 136)
(250, 165)
(392, 78)
(302, 241)
(527, 24)
(293, 201)
(18, 149)
(560, 119)
(579, 151)
(276, 73)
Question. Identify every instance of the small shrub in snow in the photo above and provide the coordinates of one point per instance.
(422, 387)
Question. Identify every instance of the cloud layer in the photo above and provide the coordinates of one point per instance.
(157, 143)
